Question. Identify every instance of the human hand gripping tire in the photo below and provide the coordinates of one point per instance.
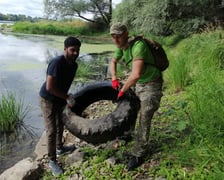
(116, 84)
(70, 101)
(120, 94)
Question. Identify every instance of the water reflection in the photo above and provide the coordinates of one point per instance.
(21, 72)
(22, 48)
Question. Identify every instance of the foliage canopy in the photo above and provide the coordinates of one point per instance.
(168, 17)
(100, 10)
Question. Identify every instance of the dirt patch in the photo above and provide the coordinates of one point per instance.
(99, 109)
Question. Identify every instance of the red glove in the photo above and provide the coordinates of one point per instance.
(116, 84)
(120, 94)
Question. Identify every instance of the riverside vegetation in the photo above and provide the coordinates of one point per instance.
(12, 113)
(187, 131)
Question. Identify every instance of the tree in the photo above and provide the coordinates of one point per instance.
(167, 17)
(125, 12)
(15, 17)
(100, 10)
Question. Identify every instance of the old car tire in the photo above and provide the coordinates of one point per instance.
(105, 128)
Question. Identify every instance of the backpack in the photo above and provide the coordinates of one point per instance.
(160, 57)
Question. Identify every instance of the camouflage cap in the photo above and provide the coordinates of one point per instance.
(118, 28)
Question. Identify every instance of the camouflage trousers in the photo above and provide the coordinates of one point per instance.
(52, 113)
(150, 95)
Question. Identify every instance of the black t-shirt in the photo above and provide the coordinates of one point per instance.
(64, 74)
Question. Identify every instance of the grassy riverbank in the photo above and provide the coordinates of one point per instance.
(187, 132)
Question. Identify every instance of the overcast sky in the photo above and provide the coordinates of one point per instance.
(33, 8)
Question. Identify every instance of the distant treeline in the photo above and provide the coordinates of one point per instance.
(20, 17)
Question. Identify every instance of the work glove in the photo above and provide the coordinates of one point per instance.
(116, 84)
(70, 101)
(120, 94)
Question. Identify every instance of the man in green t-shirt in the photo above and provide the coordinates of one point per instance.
(147, 80)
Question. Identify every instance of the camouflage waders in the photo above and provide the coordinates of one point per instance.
(150, 95)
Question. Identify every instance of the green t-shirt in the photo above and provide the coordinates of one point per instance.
(139, 50)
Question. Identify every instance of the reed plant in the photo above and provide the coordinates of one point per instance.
(12, 113)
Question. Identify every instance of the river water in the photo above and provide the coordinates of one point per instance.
(22, 71)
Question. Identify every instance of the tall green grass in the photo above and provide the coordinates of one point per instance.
(12, 113)
(194, 55)
(205, 54)
(197, 69)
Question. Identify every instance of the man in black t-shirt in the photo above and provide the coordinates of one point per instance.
(54, 96)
